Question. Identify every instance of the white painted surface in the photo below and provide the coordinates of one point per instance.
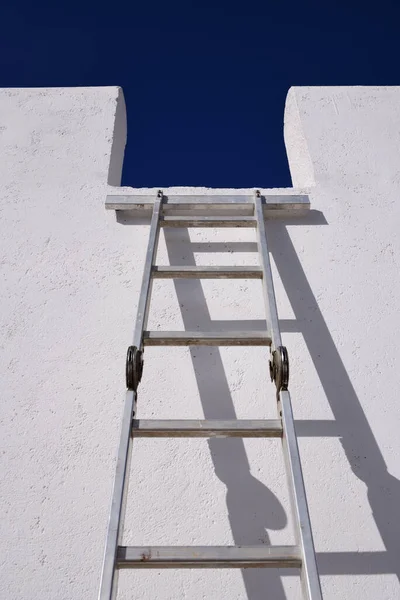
(346, 304)
(70, 282)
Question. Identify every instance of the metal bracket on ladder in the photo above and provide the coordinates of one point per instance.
(227, 211)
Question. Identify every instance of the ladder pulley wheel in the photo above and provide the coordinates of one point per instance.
(279, 368)
(134, 368)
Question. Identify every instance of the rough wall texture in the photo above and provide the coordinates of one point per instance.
(59, 265)
(343, 287)
(70, 281)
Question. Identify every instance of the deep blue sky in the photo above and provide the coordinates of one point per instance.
(205, 82)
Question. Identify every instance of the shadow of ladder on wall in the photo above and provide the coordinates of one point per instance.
(210, 211)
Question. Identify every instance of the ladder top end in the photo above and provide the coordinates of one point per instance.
(235, 203)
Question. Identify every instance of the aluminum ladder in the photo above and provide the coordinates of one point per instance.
(242, 212)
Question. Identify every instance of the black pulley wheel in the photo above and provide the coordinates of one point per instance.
(134, 368)
(279, 368)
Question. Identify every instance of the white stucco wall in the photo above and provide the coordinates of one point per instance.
(70, 278)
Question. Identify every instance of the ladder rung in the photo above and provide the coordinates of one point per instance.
(195, 272)
(205, 338)
(207, 557)
(208, 222)
(207, 428)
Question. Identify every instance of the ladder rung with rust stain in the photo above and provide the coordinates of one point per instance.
(207, 557)
(207, 222)
(196, 272)
(206, 338)
(197, 428)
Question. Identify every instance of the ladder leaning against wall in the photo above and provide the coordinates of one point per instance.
(210, 211)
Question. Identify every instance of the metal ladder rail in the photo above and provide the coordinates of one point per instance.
(210, 557)
(109, 577)
(280, 373)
